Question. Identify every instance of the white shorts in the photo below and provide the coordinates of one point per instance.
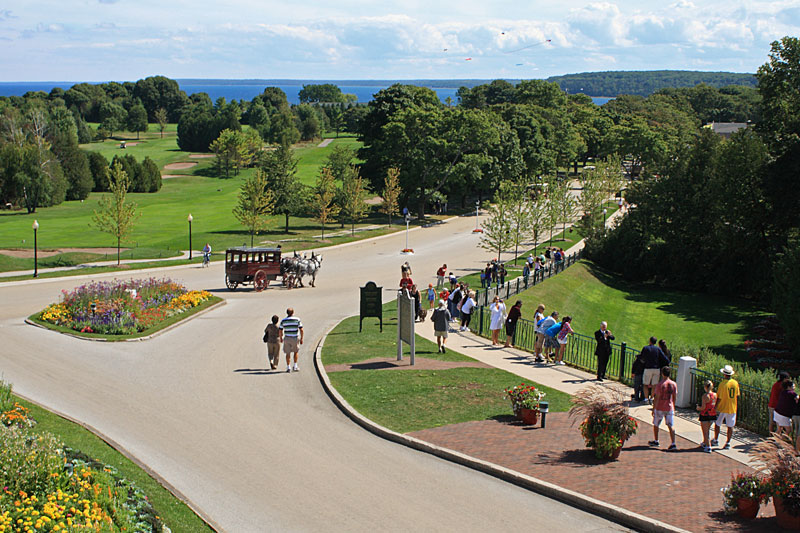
(666, 416)
(729, 419)
(782, 421)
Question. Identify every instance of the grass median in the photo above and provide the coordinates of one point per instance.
(406, 400)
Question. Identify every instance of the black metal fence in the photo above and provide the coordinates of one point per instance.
(515, 286)
(752, 405)
(752, 412)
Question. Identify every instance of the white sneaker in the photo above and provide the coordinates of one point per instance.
(562, 363)
(296, 368)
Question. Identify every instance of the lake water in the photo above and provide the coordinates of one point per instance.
(240, 90)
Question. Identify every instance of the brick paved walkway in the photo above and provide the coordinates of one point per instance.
(680, 488)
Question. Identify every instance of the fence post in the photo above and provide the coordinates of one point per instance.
(508, 290)
(622, 348)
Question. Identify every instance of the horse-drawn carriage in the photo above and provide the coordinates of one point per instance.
(251, 265)
(259, 266)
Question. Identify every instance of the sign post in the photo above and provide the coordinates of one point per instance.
(405, 323)
(371, 303)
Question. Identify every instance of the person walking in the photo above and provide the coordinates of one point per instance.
(440, 276)
(431, 295)
(467, 307)
(272, 338)
(498, 316)
(291, 335)
(455, 299)
(664, 408)
(501, 275)
(774, 395)
(653, 359)
(708, 412)
(441, 319)
(514, 314)
(603, 351)
(561, 336)
(727, 402)
(526, 273)
(538, 318)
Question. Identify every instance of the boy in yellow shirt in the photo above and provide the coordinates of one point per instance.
(727, 402)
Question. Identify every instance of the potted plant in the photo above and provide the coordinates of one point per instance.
(744, 495)
(606, 423)
(525, 402)
(778, 457)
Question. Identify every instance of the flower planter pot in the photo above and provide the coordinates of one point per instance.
(747, 508)
(530, 416)
(785, 519)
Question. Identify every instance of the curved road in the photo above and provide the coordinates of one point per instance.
(257, 450)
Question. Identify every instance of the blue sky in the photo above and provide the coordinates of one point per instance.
(97, 40)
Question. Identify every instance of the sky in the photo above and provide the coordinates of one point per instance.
(102, 40)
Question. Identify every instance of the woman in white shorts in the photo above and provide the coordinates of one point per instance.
(787, 404)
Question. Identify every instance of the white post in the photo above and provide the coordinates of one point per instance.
(399, 326)
(477, 208)
(406, 233)
(684, 381)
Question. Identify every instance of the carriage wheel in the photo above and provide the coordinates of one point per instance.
(260, 281)
(230, 284)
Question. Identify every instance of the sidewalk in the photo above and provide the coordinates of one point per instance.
(571, 380)
(29, 272)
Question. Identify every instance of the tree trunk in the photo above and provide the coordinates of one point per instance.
(286, 230)
(118, 247)
(251, 239)
(352, 228)
(323, 232)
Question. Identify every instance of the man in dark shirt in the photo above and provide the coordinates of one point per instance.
(603, 351)
(653, 359)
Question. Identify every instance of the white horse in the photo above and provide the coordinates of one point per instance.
(309, 267)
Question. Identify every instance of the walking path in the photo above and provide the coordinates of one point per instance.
(29, 272)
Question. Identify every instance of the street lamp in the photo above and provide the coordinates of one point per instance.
(35, 249)
(190, 218)
(408, 219)
(477, 208)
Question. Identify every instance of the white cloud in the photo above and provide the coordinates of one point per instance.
(352, 39)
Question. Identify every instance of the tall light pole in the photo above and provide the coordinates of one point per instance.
(35, 249)
(408, 219)
(190, 218)
(477, 209)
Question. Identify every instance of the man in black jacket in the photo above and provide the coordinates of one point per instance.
(603, 351)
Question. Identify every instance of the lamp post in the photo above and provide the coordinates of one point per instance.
(190, 218)
(35, 249)
(477, 209)
(408, 219)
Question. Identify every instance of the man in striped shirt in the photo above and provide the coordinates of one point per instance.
(291, 333)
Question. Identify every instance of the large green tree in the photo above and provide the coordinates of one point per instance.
(254, 203)
(280, 171)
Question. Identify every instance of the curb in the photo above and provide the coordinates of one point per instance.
(575, 499)
(121, 449)
(136, 339)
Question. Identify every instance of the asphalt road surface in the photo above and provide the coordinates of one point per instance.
(256, 450)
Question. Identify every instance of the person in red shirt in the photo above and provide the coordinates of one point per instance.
(774, 394)
(664, 407)
(440, 274)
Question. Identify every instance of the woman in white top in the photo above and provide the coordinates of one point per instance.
(498, 310)
(537, 347)
(466, 311)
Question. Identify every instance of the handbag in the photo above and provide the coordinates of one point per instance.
(266, 337)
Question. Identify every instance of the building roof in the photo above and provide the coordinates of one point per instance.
(728, 128)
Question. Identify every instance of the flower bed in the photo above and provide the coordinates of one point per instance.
(121, 307)
(47, 486)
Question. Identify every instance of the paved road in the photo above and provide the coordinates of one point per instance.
(262, 451)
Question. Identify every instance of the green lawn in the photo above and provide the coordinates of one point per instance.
(162, 228)
(635, 312)
(175, 514)
(410, 400)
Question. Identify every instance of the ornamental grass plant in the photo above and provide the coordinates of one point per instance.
(605, 420)
(778, 458)
(121, 307)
